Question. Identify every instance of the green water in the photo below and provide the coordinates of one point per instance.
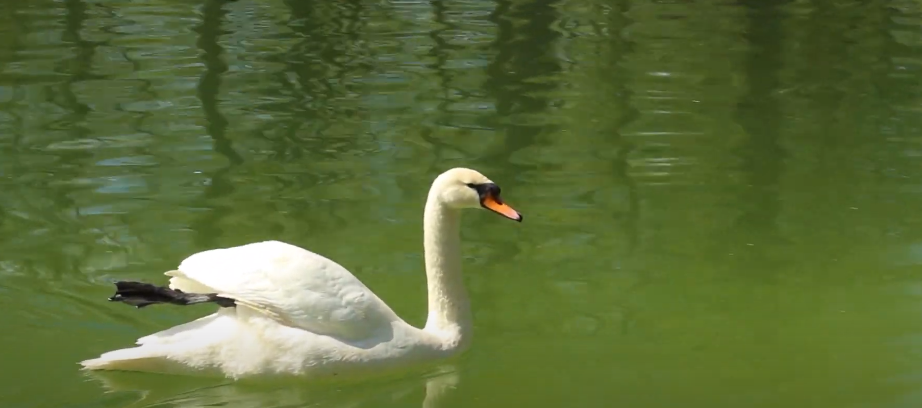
(722, 200)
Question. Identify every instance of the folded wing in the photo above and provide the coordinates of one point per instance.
(289, 284)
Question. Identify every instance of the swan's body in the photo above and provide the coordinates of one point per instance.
(294, 312)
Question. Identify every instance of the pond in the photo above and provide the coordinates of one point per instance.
(722, 198)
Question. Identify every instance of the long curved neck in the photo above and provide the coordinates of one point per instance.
(449, 307)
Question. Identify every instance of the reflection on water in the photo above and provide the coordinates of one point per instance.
(427, 391)
(721, 196)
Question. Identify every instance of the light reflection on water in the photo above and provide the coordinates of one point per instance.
(720, 197)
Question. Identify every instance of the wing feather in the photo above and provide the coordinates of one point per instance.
(288, 284)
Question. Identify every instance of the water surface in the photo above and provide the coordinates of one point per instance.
(722, 198)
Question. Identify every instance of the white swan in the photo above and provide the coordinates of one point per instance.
(288, 311)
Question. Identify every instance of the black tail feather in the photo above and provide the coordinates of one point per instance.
(139, 294)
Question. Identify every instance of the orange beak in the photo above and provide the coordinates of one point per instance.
(496, 205)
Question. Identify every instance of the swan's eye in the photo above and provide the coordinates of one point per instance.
(485, 189)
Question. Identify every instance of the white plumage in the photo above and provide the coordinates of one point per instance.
(269, 277)
(299, 313)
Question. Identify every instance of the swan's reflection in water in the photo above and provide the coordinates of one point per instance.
(188, 392)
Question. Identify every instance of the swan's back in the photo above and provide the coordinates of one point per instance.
(292, 285)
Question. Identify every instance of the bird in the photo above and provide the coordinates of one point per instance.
(283, 310)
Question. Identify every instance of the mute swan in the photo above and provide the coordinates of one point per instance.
(284, 310)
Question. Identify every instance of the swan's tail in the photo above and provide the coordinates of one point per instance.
(130, 359)
(145, 359)
(173, 349)
(140, 294)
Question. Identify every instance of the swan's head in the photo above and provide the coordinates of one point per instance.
(465, 188)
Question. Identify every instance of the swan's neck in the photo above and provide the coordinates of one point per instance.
(449, 307)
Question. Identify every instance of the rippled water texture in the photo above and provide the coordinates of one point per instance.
(722, 198)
